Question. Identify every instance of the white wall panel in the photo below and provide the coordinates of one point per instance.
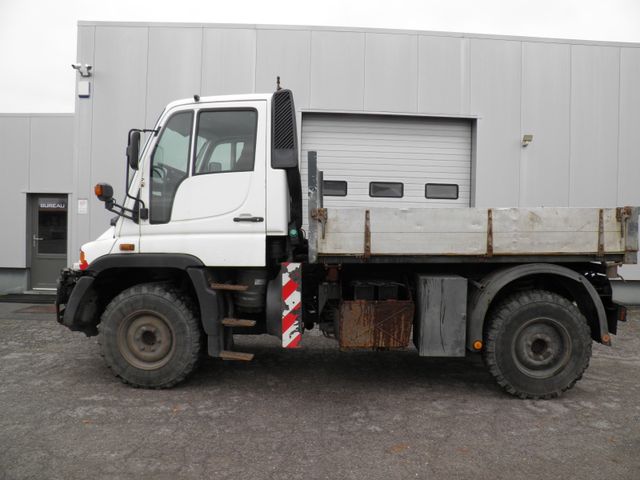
(14, 160)
(495, 98)
(337, 70)
(284, 53)
(228, 61)
(546, 85)
(120, 88)
(80, 225)
(391, 73)
(594, 125)
(51, 154)
(629, 148)
(175, 56)
(443, 75)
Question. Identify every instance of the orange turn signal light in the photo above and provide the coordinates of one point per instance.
(127, 247)
(477, 345)
(103, 191)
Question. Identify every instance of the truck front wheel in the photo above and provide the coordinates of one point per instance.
(537, 344)
(150, 337)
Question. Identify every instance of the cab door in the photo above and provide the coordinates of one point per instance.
(205, 185)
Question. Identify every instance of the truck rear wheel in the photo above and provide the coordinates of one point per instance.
(150, 337)
(537, 344)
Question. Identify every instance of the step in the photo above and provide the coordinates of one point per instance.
(238, 322)
(229, 287)
(230, 355)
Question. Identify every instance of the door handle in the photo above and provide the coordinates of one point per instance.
(248, 219)
(36, 239)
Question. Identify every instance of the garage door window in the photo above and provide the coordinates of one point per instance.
(334, 188)
(386, 189)
(443, 191)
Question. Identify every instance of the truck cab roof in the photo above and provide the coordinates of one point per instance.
(221, 99)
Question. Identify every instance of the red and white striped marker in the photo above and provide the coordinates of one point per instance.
(291, 304)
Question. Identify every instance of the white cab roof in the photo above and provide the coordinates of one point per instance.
(221, 99)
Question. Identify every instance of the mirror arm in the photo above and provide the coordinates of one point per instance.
(137, 198)
(145, 130)
(155, 131)
(131, 214)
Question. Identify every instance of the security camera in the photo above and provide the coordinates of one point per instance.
(83, 70)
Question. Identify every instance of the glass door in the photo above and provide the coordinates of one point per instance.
(48, 239)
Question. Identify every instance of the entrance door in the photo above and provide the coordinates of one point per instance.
(48, 239)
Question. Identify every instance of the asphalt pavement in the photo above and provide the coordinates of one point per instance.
(313, 413)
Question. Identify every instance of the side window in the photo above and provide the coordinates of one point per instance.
(169, 165)
(226, 141)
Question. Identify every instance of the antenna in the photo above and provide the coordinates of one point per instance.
(278, 87)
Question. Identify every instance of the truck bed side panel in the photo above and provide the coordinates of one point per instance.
(473, 232)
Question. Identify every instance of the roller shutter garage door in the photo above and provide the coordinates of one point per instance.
(388, 156)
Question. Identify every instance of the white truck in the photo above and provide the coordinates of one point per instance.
(209, 243)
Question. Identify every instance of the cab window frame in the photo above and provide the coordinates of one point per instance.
(194, 156)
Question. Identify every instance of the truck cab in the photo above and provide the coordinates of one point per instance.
(206, 185)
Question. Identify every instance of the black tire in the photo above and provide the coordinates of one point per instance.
(150, 337)
(537, 344)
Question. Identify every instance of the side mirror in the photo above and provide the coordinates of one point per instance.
(133, 149)
(104, 192)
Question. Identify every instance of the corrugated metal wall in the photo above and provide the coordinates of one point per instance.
(578, 99)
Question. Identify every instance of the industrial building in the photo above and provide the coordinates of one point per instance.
(433, 119)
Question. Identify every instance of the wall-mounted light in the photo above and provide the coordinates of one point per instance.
(527, 139)
(83, 70)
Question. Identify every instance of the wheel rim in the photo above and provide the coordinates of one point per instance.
(145, 340)
(541, 347)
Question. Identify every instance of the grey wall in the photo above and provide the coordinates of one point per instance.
(36, 156)
(579, 99)
(14, 155)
